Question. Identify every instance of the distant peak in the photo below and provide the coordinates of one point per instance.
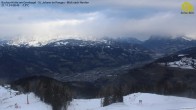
(187, 38)
(159, 37)
(166, 37)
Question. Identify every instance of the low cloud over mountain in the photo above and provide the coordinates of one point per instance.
(97, 19)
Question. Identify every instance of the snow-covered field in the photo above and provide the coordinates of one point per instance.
(10, 101)
(131, 102)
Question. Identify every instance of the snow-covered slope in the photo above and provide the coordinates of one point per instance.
(131, 102)
(183, 63)
(12, 100)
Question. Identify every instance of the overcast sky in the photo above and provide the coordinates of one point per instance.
(99, 18)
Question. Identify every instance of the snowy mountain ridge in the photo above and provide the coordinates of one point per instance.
(54, 42)
(183, 63)
(61, 41)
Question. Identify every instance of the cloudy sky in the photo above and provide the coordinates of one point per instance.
(99, 18)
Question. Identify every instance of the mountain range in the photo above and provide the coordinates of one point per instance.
(71, 59)
(66, 58)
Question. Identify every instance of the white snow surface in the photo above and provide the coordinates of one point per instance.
(182, 55)
(8, 101)
(131, 102)
(184, 63)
